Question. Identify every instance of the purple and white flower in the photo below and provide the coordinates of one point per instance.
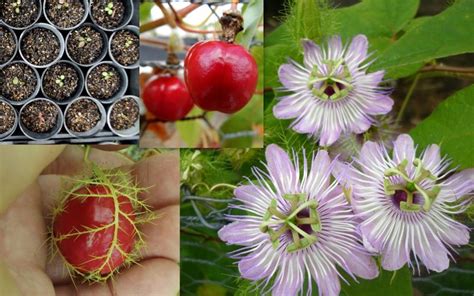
(298, 228)
(332, 93)
(406, 203)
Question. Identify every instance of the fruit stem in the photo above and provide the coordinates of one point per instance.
(232, 24)
(87, 150)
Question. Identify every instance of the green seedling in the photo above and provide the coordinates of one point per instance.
(107, 75)
(128, 43)
(109, 8)
(83, 41)
(60, 80)
(16, 81)
(17, 6)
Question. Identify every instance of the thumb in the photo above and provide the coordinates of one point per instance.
(7, 283)
(20, 166)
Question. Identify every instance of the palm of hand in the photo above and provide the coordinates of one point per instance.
(23, 229)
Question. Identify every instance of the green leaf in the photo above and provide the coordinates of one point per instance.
(451, 126)
(376, 18)
(381, 21)
(387, 284)
(190, 130)
(448, 33)
(204, 263)
(243, 123)
(145, 11)
(252, 15)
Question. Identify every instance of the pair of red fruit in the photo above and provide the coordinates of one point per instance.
(219, 76)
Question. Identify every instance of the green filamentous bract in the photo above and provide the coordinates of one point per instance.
(119, 183)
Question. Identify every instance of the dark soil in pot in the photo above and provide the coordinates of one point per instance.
(17, 82)
(7, 117)
(65, 13)
(40, 116)
(85, 45)
(125, 47)
(103, 82)
(19, 13)
(7, 45)
(60, 81)
(108, 13)
(124, 114)
(82, 116)
(40, 46)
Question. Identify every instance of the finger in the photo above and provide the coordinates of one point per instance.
(22, 230)
(71, 161)
(162, 235)
(110, 147)
(23, 243)
(160, 174)
(153, 277)
(83, 290)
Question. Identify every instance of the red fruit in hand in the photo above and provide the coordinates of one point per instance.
(167, 98)
(94, 231)
(220, 76)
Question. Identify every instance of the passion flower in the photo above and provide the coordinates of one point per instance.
(299, 227)
(332, 93)
(406, 203)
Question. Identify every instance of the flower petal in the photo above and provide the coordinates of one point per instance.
(361, 125)
(329, 135)
(312, 54)
(431, 158)
(381, 105)
(335, 49)
(244, 232)
(404, 148)
(259, 264)
(254, 197)
(362, 265)
(394, 258)
(357, 51)
(293, 76)
(290, 279)
(290, 106)
(433, 254)
(281, 169)
(319, 175)
(458, 185)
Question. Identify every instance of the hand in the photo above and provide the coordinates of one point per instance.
(23, 230)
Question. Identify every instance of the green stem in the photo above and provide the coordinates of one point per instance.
(87, 150)
(407, 98)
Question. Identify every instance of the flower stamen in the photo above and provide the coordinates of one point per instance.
(303, 213)
(333, 85)
(411, 187)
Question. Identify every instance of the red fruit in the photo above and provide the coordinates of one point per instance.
(91, 223)
(167, 98)
(220, 76)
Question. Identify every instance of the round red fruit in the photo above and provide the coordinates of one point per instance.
(94, 230)
(167, 98)
(220, 76)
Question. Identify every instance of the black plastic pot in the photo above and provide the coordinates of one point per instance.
(41, 136)
(80, 86)
(86, 14)
(97, 128)
(52, 29)
(123, 87)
